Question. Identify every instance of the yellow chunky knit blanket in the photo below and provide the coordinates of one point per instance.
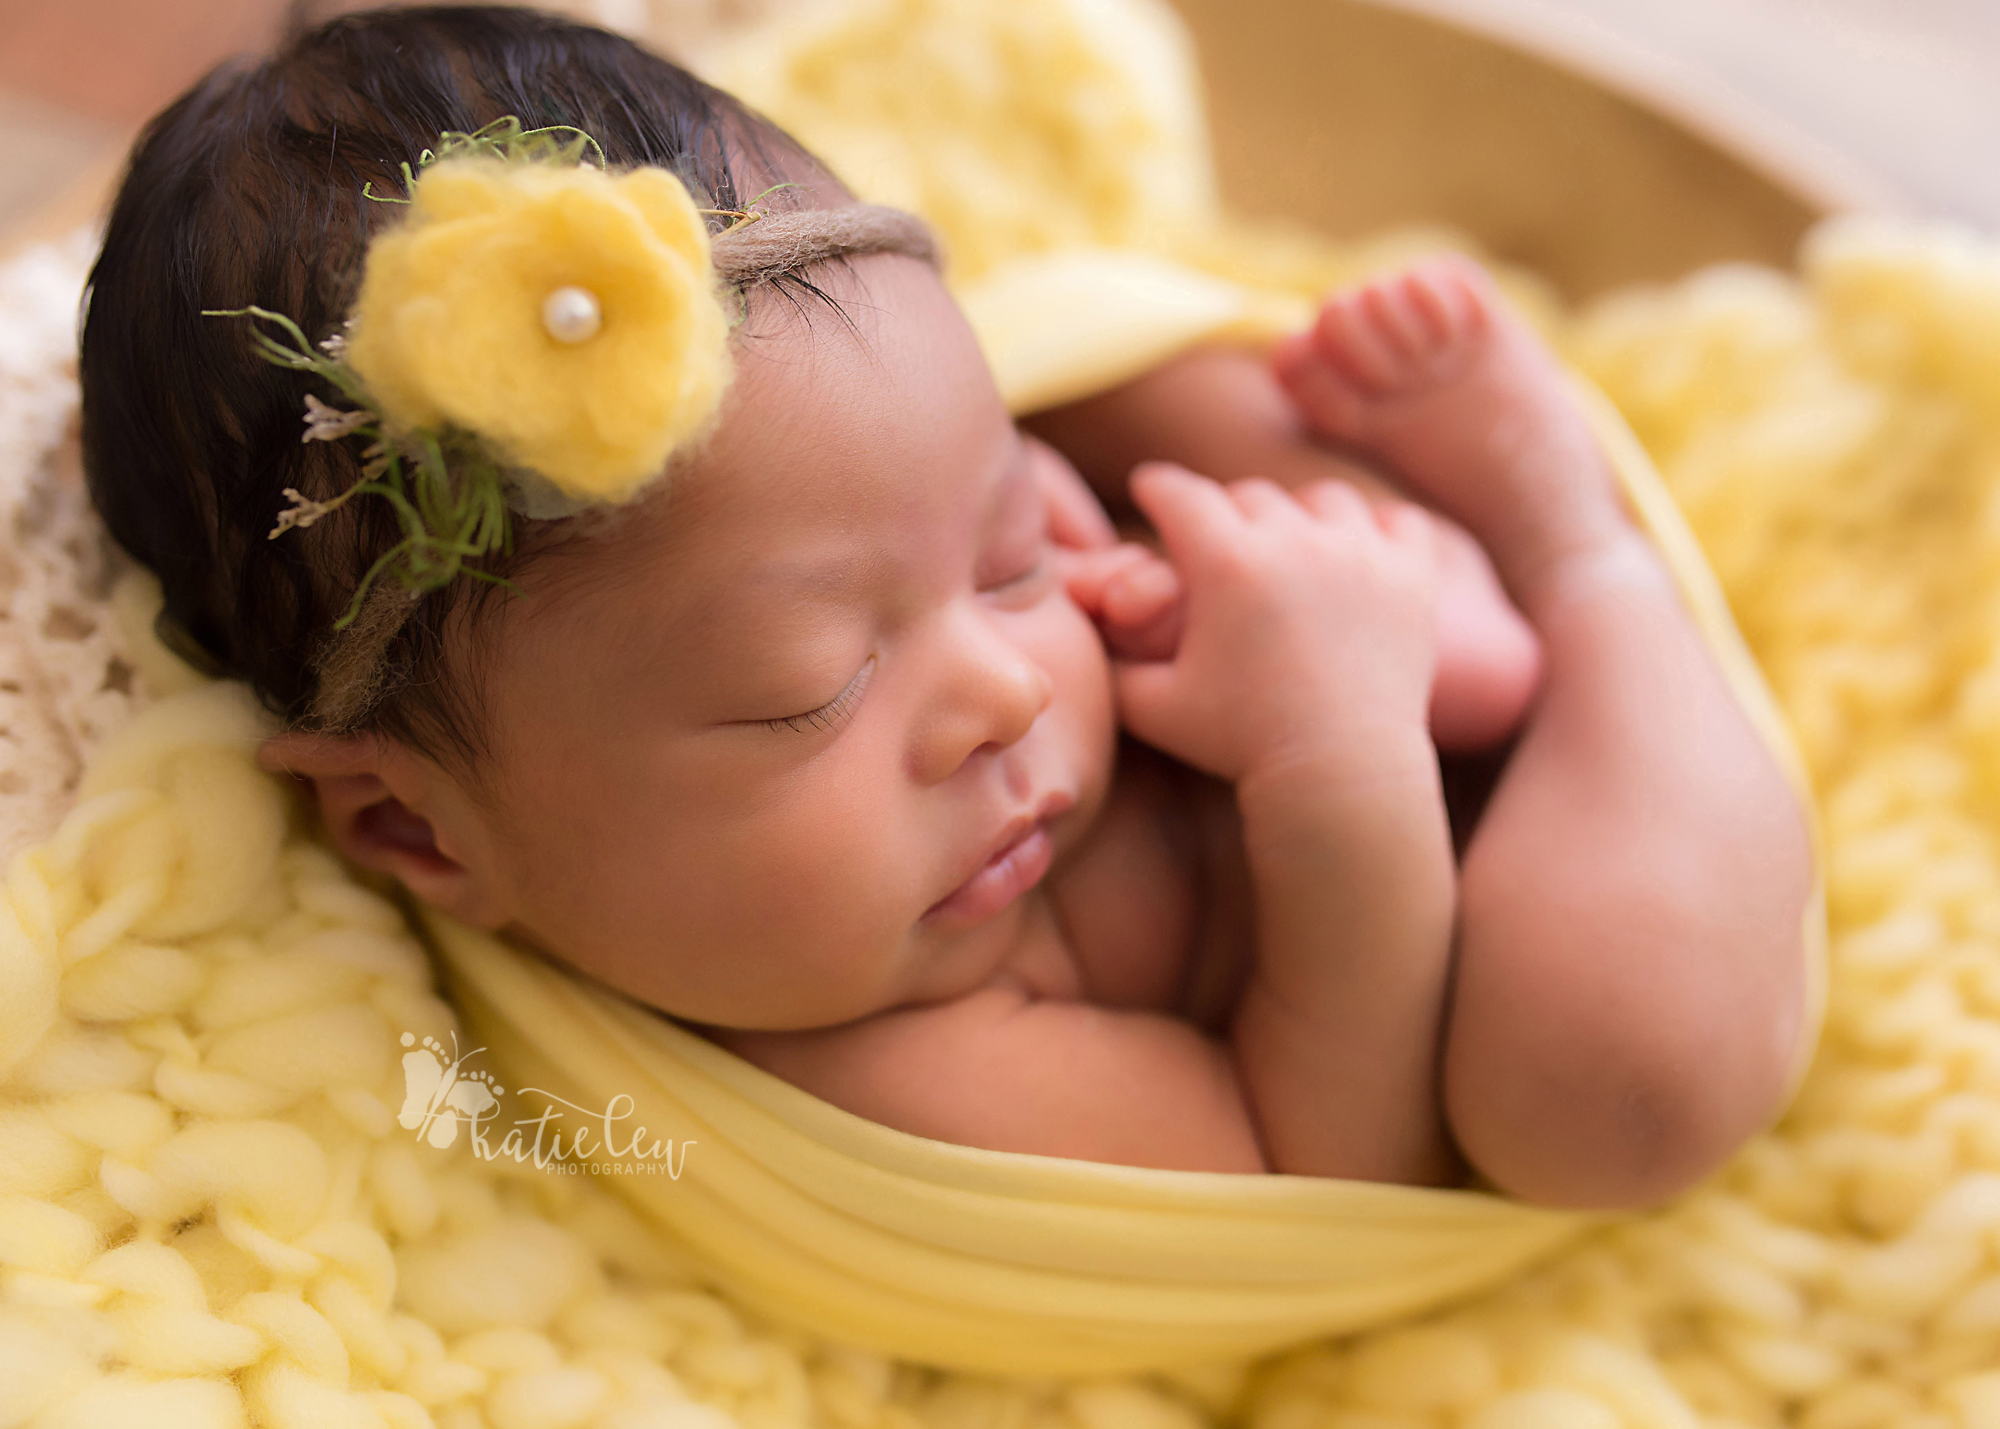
(239, 1180)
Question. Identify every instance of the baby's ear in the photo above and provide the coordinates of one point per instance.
(388, 809)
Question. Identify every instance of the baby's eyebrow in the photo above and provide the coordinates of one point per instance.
(779, 588)
(832, 568)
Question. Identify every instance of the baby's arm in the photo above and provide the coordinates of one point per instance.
(1301, 676)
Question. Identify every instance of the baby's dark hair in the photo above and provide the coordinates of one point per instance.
(249, 190)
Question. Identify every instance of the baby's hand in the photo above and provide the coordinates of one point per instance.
(1306, 617)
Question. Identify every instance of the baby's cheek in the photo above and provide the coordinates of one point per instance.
(1081, 705)
(826, 884)
(716, 901)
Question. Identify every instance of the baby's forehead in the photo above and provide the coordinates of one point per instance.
(841, 508)
(881, 407)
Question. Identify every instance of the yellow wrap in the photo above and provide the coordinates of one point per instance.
(979, 1260)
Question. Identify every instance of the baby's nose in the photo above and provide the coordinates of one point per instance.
(990, 698)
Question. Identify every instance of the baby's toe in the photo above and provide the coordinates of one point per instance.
(1360, 344)
(1403, 334)
(1450, 295)
(1398, 312)
(1329, 400)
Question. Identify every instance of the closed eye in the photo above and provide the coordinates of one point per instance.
(831, 714)
(1027, 585)
(1024, 570)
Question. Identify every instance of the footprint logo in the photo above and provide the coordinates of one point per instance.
(437, 1095)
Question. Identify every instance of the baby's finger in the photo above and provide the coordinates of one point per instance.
(1156, 641)
(1087, 573)
(1190, 512)
(1257, 497)
(1407, 524)
(1140, 590)
(1414, 536)
(1333, 501)
(1146, 691)
(1144, 612)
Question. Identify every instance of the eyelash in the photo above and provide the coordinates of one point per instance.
(830, 714)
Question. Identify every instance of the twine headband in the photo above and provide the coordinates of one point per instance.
(786, 243)
(353, 677)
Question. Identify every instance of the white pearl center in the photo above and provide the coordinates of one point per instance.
(572, 314)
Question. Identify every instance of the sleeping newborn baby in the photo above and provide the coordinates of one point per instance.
(817, 747)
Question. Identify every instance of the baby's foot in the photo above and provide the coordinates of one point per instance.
(1489, 660)
(1428, 370)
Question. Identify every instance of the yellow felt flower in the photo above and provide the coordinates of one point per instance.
(567, 316)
